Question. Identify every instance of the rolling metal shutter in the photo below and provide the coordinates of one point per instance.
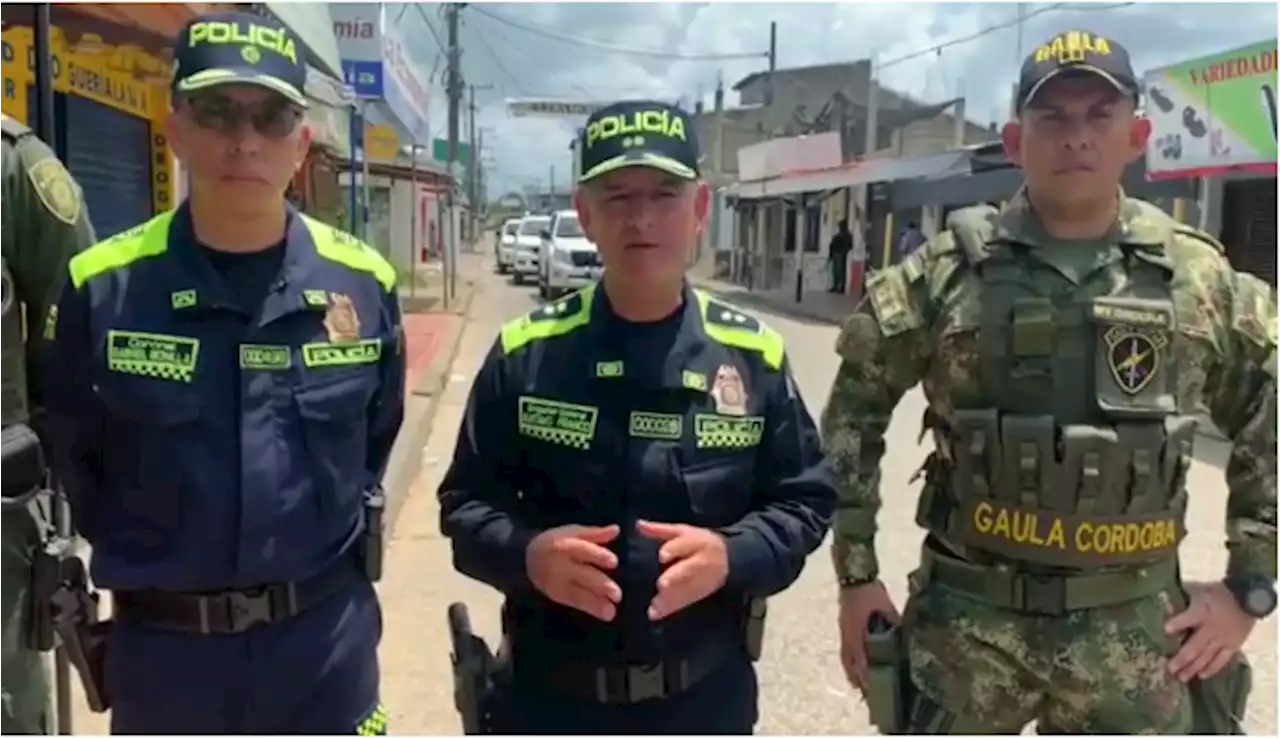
(109, 154)
(1250, 234)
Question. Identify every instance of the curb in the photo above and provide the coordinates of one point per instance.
(420, 410)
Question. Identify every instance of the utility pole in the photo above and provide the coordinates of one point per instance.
(472, 202)
(454, 89)
(773, 61)
(474, 193)
(479, 171)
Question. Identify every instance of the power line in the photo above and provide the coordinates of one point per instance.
(1022, 18)
(497, 62)
(605, 46)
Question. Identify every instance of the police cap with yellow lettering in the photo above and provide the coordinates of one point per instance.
(239, 48)
(1077, 52)
(643, 133)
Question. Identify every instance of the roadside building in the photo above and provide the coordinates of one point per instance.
(1214, 122)
(110, 101)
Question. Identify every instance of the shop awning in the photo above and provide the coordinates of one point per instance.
(857, 173)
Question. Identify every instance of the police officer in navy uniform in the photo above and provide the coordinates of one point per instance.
(636, 470)
(225, 383)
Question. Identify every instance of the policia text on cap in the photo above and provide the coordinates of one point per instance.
(635, 472)
(225, 384)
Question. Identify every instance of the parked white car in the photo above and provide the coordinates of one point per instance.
(528, 240)
(569, 261)
(506, 246)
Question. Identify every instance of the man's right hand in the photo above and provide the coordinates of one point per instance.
(856, 607)
(568, 565)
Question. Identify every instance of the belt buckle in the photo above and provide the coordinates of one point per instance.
(1042, 594)
(245, 610)
(646, 682)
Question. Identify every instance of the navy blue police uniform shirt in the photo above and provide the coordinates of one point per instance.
(577, 417)
(216, 420)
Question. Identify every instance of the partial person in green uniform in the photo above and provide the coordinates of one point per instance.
(45, 224)
(1067, 346)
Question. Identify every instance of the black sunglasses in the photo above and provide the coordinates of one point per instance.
(274, 118)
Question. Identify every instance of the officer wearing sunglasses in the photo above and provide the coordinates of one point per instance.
(226, 382)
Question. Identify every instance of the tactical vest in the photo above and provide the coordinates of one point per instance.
(1074, 453)
(13, 353)
(13, 387)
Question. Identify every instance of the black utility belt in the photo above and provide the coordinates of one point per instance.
(231, 611)
(625, 684)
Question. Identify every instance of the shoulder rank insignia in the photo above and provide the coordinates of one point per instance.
(729, 392)
(719, 313)
(341, 320)
(558, 310)
(56, 189)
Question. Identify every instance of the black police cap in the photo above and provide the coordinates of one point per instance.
(642, 133)
(239, 48)
(1077, 52)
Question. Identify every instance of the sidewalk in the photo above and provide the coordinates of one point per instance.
(822, 307)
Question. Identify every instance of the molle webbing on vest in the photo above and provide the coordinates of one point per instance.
(1075, 455)
(13, 353)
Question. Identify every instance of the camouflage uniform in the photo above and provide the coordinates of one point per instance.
(44, 225)
(1054, 389)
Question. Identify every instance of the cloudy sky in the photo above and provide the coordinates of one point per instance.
(537, 60)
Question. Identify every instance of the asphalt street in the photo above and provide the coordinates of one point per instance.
(803, 689)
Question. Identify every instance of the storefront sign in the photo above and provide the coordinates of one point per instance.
(381, 142)
(1213, 114)
(96, 76)
(404, 89)
(123, 78)
(358, 28)
(377, 65)
(552, 108)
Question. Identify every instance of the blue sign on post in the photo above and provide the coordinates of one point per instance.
(365, 77)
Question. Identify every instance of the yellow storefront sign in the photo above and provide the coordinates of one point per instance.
(381, 143)
(124, 78)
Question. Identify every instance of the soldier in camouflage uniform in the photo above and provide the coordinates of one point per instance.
(44, 225)
(1066, 345)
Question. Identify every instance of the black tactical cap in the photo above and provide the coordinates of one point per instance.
(642, 133)
(239, 48)
(1080, 52)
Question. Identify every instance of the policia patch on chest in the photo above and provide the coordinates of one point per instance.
(1059, 539)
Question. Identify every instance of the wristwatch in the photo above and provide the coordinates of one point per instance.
(1255, 593)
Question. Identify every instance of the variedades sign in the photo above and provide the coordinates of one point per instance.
(1214, 114)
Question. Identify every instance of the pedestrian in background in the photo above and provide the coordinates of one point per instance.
(225, 383)
(839, 248)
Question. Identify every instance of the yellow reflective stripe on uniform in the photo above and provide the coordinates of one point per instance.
(121, 250)
(375, 723)
(718, 320)
(347, 250)
(546, 322)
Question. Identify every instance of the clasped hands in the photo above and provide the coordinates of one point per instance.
(570, 565)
